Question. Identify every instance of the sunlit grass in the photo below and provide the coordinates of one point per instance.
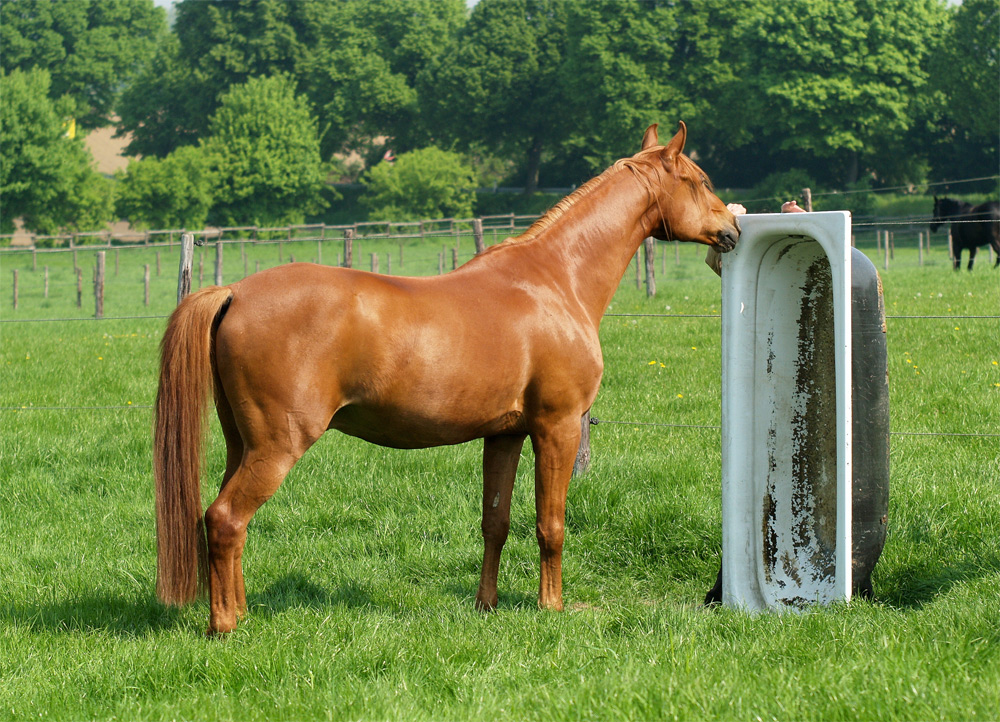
(362, 569)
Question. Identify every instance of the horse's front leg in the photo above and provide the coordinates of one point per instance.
(972, 256)
(555, 447)
(500, 457)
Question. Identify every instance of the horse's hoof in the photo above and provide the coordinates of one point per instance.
(485, 606)
(220, 632)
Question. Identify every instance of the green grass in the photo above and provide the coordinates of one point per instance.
(361, 571)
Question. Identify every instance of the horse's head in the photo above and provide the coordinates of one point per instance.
(686, 207)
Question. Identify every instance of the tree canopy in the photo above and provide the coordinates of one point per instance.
(544, 92)
(90, 48)
(46, 179)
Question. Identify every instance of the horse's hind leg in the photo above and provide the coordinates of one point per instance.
(263, 466)
(234, 457)
(972, 256)
(500, 457)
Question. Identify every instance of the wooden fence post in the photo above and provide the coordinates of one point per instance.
(157, 263)
(649, 251)
(638, 277)
(99, 286)
(477, 235)
(920, 249)
(348, 247)
(400, 255)
(807, 198)
(187, 262)
(454, 257)
(582, 462)
(374, 263)
(218, 262)
(79, 287)
(15, 289)
(145, 284)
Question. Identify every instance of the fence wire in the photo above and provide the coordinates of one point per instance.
(429, 234)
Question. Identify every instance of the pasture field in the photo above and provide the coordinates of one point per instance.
(361, 571)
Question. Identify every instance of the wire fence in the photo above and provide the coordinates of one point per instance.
(412, 245)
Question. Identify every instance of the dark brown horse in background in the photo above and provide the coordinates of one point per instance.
(503, 348)
(971, 227)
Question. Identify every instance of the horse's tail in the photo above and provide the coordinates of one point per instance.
(186, 379)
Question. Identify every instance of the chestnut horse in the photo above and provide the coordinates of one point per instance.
(503, 348)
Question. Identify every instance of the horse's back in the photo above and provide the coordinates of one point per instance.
(989, 211)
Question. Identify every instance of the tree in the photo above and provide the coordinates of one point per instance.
(90, 48)
(266, 150)
(965, 132)
(968, 65)
(175, 192)
(620, 76)
(834, 82)
(421, 184)
(46, 179)
(159, 111)
(356, 61)
(409, 36)
(498, 85)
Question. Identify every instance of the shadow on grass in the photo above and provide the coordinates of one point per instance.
(117, 615)
(505, 600)
(297, 590)
(914, 586)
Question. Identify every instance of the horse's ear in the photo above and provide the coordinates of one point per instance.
(650, 137)
(676, 145)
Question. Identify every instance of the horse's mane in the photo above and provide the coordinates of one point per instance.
(559, 209)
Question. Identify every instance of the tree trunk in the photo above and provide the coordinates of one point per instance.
(534, 162)
(852, 167)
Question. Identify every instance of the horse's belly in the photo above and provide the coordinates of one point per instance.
(417, 430)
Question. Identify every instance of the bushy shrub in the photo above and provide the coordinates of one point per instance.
(421, 184)
(175, 192)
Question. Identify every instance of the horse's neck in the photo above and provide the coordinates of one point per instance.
(589, 247)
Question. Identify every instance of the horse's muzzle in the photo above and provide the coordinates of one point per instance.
(726, 239)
